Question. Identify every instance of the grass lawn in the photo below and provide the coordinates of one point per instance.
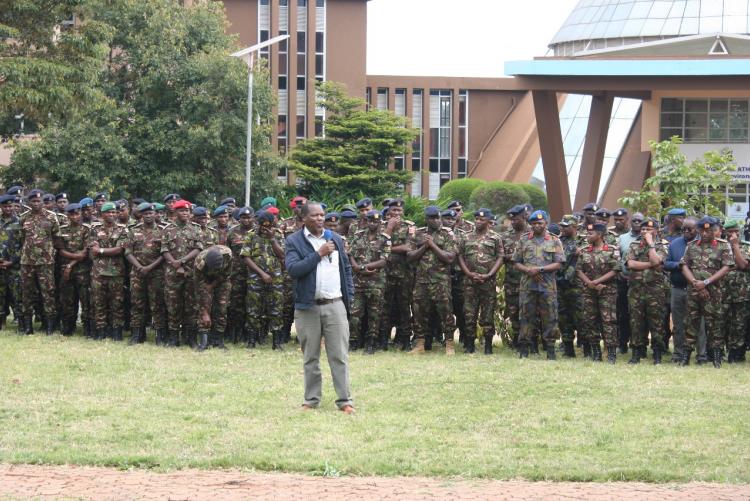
(73, 401)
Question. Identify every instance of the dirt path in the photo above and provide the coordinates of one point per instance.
(57, 482)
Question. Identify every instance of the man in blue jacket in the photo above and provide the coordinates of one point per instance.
(323, 291)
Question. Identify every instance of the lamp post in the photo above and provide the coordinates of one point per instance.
(248, 55)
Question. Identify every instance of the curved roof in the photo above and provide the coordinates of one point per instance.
(618, 19)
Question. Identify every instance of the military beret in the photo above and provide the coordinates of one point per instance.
(483, 212)
(454, 204)
(145, 206)
(159, 207)
(100, 196)
(348, 214)
(297, 201)
(651, 223)
(14, 190)
(122, 204)
(365, 202)
(538, 215)
(222, 209)
(71, 207)
(138, 201)
(591, 206)
(637, 217)
(229, 201)
(429, 211)
(554, 228)
(448, 213)
(171, 197)
(384, 211)
(181, 204)
(61, 196)
(332, 216)
(707, 222)
(373, 214)
(569, 220)
(620, 212)
(48, 197)
(601, 228)
(516, 210)
(398, 202)
(603, 213)
(273, 210)
(264, 218)
(266, 202)
(200, 211)
(7, 199)
(243, 211)
(528, 207)
(35, 193)
(86, 202)
(387, 202)
(730, 224)
(677, 212)
(109, 206)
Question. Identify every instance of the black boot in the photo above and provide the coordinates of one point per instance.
(717, 358)
(428, 342)
(218, 340)
(117, 333)
(173, 340)
(596, 352)
(569, 350)
(657, 355)
(50, 327)
(87, 329)
(550, 349)
(586, 349)
(370, 346)
(644, 351)
(101, 334)
(487, 344)
(534, 350)
(636, 357)
(623, 348)
(523, 351)
(611, 354)
(135, 336)
(685, 359)
(161, 337)
(202, 341)
(276, 341)
(469, 344)
(28, 324)
(251, 340)
(406, 341)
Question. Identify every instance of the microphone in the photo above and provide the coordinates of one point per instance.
(328, 235)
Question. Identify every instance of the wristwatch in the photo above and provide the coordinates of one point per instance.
(706, 282)
(541, 269)
(101, 251)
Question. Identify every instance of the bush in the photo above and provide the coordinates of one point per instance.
(537, 196)
(458, 189)
(414, 209)
(499, 196)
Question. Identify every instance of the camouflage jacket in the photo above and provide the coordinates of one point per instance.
(737, 282)
(706, 259)
(510, 241)
(397, 266)
(210, 236)
(638, 251)
(365, 251)
(144, 243)
(75, 239)
(10, 240)
(260, 250)
(180, 239)
(430, 269)
(537, 252)
(224, 271)
(596, 263)
(38, 232)
(108, 237)
(480, 252)
(566, 276)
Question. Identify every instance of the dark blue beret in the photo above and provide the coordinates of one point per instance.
(365, 202)
(200, 211)
(72, 207)
(429, 211)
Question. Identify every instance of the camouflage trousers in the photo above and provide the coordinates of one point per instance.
(513, 308)
(646, 307)
(397, 305)
(735, 323)
(238, 292)
(38, 280)
(711, 310)
(480, 301)
(600, 320)
(537, 308)
(74, 291)
(568, 308)
(216, 302)
(179, 296)
(146, 294)
(368, 303)
(265, 305)
(10, 291)
(458, 299)
(107, 295)
(433, 299)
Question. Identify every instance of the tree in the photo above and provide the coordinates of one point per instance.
(698, 186)
(356, 150)
(175, 113)
(498, 196)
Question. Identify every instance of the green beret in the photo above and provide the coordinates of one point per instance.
(145, 206)
(109, 206)
(268, 201)
(732, 224)
(159, 207)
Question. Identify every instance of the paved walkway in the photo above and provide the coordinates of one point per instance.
(47, 482)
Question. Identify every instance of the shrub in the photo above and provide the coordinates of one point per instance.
(414, 209)
(458, 189)
(499, 196)
(537, 196)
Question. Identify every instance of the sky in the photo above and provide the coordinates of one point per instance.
(471, 38)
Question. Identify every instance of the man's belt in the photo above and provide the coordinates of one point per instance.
(321, 302)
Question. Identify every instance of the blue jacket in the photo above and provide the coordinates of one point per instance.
(672, 264)
(302, 265)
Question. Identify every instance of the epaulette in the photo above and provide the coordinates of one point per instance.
(24, 213)
(721, 240)
(410, 223)
(138, 225)
(195, 224)
(212, 229)
(165, 225)
(449, 230)
(86, 225)
(96, 223)
(360, 231)
(120, 225)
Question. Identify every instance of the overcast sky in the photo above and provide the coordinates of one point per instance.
(458, 37)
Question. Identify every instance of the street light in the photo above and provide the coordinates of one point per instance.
(248, 55)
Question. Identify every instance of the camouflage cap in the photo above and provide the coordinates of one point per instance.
(569, 220)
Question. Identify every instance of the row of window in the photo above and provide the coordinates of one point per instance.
(711, 120)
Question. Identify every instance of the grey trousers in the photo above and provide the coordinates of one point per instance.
(328, 321)
(678, 303)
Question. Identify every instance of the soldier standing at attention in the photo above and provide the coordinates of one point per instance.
(737, 286)
(433, 249)
(368, 254)
(75, 281)
(480, 256)
(512, 284)
(213, 266)
(568, 292)
(181, 243)
(706, 261)
(39, 228)
(347, 217)
(238, 296)
(143, 252)
(597, 268)
(106, 244)
(10, 254)
(538, 256)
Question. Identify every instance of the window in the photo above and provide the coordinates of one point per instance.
(463, 132)
(382, 101)
(399, 103)
(717, 120)
(441, 102)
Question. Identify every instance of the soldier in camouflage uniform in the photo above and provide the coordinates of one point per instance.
(450, 220)
(597, 269)
(210, 235)
(706, 261)
(143, 252)
(512, 283)
(181, 243)
(737, 286)
(220, 223)
(263, 254)
(363, 206)
(106, 244)
(603, 216)
(368, 253)
(213, 267)
(433, 250)
(39, 228)
(646, 298)
(10, 255)
(169, 211)
(480, 256)
(538, 256)
(75, 280)
(568, 293)
(237, 299)
(461, 223)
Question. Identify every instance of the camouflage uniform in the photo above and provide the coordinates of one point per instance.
(10, 277)
(146, 293)
(646, 299)
(210, 236)
(75, 284)
(480, 252)
(704, 260)
(432, 285)
(512, 283)
(179, 240)
(600, 320)
(108, 279)
(399, 287)
(458, 294)
(568, 292)
(538, 300)
(737, 287)
(238, 296)
(215, 300)
(264, 302)
(38, 261)
(369, 291)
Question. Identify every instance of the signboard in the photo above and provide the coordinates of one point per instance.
(737, 210)
(741, 154)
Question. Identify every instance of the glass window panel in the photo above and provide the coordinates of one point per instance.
(319, 41)
(301, 64)
(692, 8)
(735, 7)
(398, 163)
(671, 104)
(660, 9)
(668, 133)
(696, 105)
(677, 10)
(640, 10)
(622, 11)
(434, 139)
(282, 125)
(717, 121)
(738, 120)
(300, 126)
(734, 24)
(434, 165)
(282, 82)
(318, 64)
(301, 41)
(652, 27)
(671, 119)
(689, 26)
(445, 166)
(318, 126)
(300, 83)
(416, 164)
(614, 29)
(711, 8)
(671, 27)
(736, 106)
(738, 135)
(696, 119)
(719, 105)
(320, 3)
(263, 35)
(717, 135)
(282, 146)
(695, 135)
(282, 64)
(462, 142)
(632, 27)
(462, 110)
(445, 142)
(710, 24)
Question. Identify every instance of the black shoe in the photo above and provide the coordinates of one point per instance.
(717, 357)
(685, 359)
(88, 330)
(101, 334)
(657, 356)
(596, 352)
(551, 352)
(161, 337)
(276, 342)
(569, 350)
(135, 336)
(173, 340)
(523, 351)
(50, 327)
(28, 325)
(117, 334)
(611, 355)
(636, 356)
(586, 349)
(644, 351)
(370, 348)
(428, 343)
(534, 349)
(202, 341)
(487, 344)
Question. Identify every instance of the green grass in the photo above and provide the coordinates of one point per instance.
(72, 401)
